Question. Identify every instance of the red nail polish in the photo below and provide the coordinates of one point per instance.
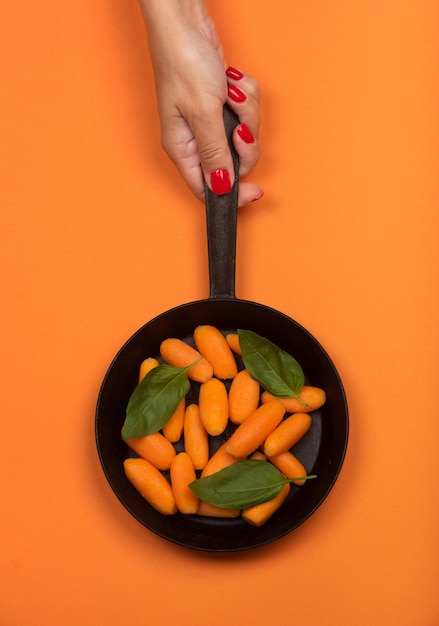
(236, 94)
(220, 182)
(245, 134)
(234, 74)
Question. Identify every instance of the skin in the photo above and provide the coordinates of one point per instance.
(191, 88)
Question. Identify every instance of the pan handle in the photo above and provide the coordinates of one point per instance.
(221, 219)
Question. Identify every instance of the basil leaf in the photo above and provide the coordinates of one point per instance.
(276, 370)
(154, 400)
(241, 485)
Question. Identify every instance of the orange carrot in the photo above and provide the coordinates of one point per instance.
(210, 510)
(244, 395)
(151, 484)
(146, 366)
(155, 448)
(182, 473)
(314, 398)
(181, 354)
(219, 459)
(233, 341)
(173, 428)
(258, 455)
(255, 429)
(212, 344)
(214, 406)
(257, 515)
(196, 442)
(288, 433)
(290, 466)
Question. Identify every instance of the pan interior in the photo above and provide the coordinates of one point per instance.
(322, 450)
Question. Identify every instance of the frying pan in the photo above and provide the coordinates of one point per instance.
(323, 448)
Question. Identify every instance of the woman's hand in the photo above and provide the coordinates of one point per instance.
(192, 85)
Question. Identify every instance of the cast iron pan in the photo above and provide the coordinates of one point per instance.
(323, 448)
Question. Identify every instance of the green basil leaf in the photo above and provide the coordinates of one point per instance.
(241, 485)
(276, 370)
(154, 400)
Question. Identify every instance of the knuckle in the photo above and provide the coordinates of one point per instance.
(212, 153)
(167, 145)
(252, 87)
(246, 165)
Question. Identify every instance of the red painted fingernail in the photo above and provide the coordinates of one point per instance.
(236, 94)
(245, 134)
(220, 182)
(234, 74)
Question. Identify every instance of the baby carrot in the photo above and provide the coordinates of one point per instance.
(288, 433)
(314, 398)
(174, 426)
(255, 429)
(212, 344)
(196, 442)
(219, 459)
(182, 473)
(155, 448)
(146, 366)
(257, 515)
(181, 354)
(290, 466)
(151, 484)
(244, 395)
(214, 406)
(210, 510)
(258, 455)
(233, 341)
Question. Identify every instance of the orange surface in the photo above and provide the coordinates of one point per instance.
(98, 235)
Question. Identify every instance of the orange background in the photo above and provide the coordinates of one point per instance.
(99, 234)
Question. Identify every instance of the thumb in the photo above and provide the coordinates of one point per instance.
(213, 150)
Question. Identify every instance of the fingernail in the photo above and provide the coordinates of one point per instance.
(259, 196)
(245, 134)
(220, 182)
(236, 94)
(234, 74)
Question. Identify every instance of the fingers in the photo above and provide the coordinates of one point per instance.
(188, 164)
(243, 98)
(248, 192)
(193, 135)
(179, 143)
(206, 122)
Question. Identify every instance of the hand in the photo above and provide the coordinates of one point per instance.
(192, 85)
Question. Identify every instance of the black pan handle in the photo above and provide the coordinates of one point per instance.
(221, 219)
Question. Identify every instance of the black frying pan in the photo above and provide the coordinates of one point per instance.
(323, 448)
